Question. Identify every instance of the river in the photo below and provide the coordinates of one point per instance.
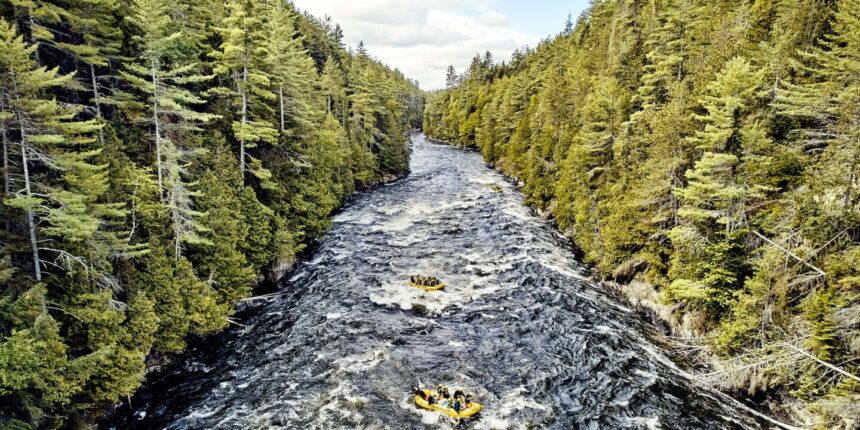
(519, 325)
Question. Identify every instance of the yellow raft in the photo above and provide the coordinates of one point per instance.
(464, 413)
(436, 287)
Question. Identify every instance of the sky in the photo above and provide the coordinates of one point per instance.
(422, 37)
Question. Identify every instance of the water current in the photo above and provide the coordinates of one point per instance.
(518, 324)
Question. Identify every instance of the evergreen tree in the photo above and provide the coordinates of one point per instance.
(159, 74)
(291, 69)
(667, 52)
(96, 22)
(49, 138)
(451, 77)
(242, 60)
(829, 96)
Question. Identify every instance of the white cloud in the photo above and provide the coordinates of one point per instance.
(422, 38)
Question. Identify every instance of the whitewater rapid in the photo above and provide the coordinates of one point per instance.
(519, 325)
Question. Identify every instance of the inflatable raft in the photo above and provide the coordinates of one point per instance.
(436, 287)
(464, 413)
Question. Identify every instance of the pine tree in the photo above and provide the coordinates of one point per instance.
(242, 59)
(49, 138)
(361, 50)
(829, 95)
(159, 74)
(38, 18)
(568, 25)
(291, 70)
(451, 77)
(363, 129)
(333, 83)
(666, 56)
(96, 23)
(729, 98)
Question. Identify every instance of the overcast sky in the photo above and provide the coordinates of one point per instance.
(422, 37)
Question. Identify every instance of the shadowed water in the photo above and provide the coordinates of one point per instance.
(518, 325)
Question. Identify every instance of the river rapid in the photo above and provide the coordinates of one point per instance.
(519, 325)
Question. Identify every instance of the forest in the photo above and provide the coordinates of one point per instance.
(160, 160)
(709, 150)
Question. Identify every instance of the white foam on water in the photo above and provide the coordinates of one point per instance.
(205, 412)
(361, 362)
(388, 210)
(499, 417)
(235, 413)
(458, 291)
(411, 239)
(644, 374)
(493, 423)
(354, 217)
(429, 418)
(517, 210)
(395, 224)
(652, 423)
(566, 271)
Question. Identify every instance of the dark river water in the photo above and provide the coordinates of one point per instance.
(519, 325)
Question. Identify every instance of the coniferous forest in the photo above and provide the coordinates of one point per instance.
(160, 159)
(710, 151)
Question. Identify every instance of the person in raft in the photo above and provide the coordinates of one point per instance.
(427, 281)
(458, 401)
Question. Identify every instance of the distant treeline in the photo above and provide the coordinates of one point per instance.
(159, 159)
(711, 149)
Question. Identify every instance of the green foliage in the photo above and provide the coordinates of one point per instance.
(185, 153)
(707, 147)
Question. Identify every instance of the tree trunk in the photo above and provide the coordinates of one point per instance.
(157, 131)
(31, 223)
(97, 103)
(3, 136)
(177, 233)
(6, 187)
(281, 99)
(244, 92)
